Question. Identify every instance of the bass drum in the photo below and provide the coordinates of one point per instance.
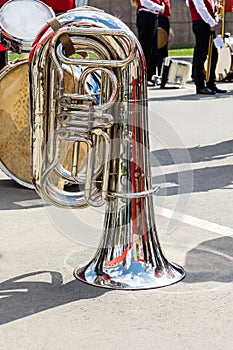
(224, 68)
(14, 119)
(15, 144)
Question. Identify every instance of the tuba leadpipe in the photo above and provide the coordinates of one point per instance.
(209, 56)
(220, 16)
(98, 143)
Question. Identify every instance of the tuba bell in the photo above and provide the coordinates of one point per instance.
(91, 148)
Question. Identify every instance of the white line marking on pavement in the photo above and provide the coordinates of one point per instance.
(30, 203)
(190, 220)
(7, 293)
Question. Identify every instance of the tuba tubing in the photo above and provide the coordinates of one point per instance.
(111, 128)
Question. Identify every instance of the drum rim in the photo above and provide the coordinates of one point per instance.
(227, 70)
(10, 36)
(13, 177)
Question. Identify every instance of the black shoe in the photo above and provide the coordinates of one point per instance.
(217, 90)
(205, 91)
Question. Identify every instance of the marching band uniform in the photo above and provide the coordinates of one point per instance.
(203, 25)
(59, 6)
(147, 24)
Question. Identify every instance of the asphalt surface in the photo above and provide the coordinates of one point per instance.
(44, 307)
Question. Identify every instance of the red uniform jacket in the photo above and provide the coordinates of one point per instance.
(229, 6)
(195, 15)
(167, 10)
(60, 5)
(57, 6)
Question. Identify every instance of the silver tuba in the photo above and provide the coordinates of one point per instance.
(90, 147)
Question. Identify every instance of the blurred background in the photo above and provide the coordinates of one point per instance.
(181, 29)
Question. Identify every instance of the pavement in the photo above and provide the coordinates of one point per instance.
(44, 307)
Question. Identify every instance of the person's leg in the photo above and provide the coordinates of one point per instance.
(146, 33)
(152, 65)
(201, 32)
(211, 83)
(163, 51)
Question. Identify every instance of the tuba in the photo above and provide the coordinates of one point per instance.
(91, 148)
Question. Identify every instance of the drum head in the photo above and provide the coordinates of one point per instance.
(224, 64)
(15, 149)
(14, 119)
(23, 19)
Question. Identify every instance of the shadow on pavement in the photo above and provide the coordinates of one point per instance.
(204, 178)
(189, 97)
(24, 298)
(15, 196)
(210, 261)
(197, 154)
